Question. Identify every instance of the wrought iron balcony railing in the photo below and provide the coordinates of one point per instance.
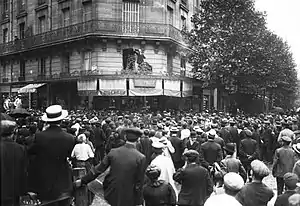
(21, 78)
(102, 28)
(4, 80)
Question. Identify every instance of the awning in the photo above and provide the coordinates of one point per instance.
(30, 88)
(112, 87)
(187, 89)
(87, 85)
(172, 88)
(145, 87)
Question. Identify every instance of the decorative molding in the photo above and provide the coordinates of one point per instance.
(156, 48)
(21, 14)
(86, 1)
(119, 45)
(41, 7)
(104, 44)
(60, 1)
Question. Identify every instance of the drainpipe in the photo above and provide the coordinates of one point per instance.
(49, 95)
(11, 39)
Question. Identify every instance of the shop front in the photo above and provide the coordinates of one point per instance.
(34, 96)
(87, 89)
(110, 94)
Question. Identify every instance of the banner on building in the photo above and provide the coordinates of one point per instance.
(172, 88)
(87, 85)
(187, 89)
(112, 87)
(145, 87)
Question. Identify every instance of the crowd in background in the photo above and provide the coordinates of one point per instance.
(186, 155)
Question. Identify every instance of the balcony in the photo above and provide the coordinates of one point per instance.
(4, 80)
(93, 28)
(41, 77)
(21, 78)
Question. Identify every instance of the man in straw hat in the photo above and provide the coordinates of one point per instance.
(233, 183)
(256, 192)
(13, 165)
(284, 160)
(52, 177)
(123, 184)
(196, 183)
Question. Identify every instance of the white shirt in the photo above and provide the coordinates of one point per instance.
(165, 164)
(82, 152)
(77, 127)
(223, 199)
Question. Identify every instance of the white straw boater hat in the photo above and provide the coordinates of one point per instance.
(54, 113)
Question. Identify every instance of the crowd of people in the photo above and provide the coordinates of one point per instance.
(151, 158)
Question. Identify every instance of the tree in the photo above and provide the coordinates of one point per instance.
(233, 50)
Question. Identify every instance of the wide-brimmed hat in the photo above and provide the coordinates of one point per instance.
(54, 113)
(296, 148)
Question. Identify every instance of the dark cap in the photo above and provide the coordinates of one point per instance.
(132, 134)
(290, 180)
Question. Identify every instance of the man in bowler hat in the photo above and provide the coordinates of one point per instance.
(123, 184)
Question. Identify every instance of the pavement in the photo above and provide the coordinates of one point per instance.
(269, 181)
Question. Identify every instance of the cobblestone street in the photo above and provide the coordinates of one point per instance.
(270, 181)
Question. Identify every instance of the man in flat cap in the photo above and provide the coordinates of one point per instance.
(256, 192)
(233, 183)
(196, 183)
(284, 161)
(123, 184)
(290, 182)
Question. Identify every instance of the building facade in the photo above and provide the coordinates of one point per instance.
(98, 53)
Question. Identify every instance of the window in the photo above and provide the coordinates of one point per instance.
(5, 6)
(42, 67)
(41, 2)
(5, 35)
(183, 63)
(4, 70)
(22, 5)
(170, 15)
(169, 63)
(22, 68)
(129, 59)
(66, 17)
(22, 30)
(87, 60)
(66, 63)
(42, 24)
(130, 17)
(87, 12)
(183, 23)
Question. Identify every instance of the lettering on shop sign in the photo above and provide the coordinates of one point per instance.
(145, 83)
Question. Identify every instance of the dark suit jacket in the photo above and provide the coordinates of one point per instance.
(211, 152)
(123, 184)
(13, 171)
(225, 135)
(248, 146)
(283, 199)
(145, 147)
(99, 137)
(50, 173)
(178, 145)
(196, 185)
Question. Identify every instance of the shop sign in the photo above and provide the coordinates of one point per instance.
(145, 83)
(113, 92)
